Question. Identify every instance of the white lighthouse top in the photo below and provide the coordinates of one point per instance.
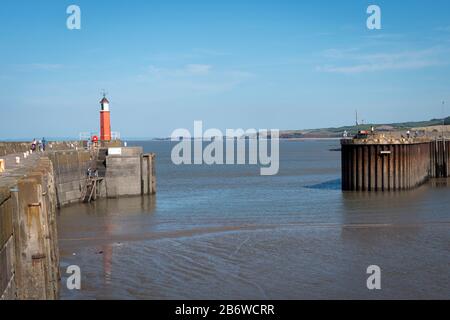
(105, 104)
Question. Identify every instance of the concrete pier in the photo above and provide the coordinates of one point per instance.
(30, 193)
(386, 164)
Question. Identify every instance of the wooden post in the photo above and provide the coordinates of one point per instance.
(366, 185)
(373, 168)
(391, 167)
(379, 168)
(360, 171)
(344, 169)
(153, 171)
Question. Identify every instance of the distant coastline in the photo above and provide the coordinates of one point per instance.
(428, 127)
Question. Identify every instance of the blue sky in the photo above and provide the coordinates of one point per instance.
(232, 64)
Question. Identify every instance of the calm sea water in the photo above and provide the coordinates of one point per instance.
(225, 232)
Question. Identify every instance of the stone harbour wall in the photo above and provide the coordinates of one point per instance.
(30, 193)
(29, 257)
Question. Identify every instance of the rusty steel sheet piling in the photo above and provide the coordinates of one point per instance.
(383, 164)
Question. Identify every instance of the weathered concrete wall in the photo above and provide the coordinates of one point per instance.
(130, 174)
(29, 258)
(70, 169)
(123, 176)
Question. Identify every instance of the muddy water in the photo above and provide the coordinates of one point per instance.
(226, 232)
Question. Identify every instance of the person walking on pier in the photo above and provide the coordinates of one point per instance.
(44, 143)
(33, 145)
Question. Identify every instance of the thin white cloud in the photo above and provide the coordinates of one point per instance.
(352, 61)
(443, 29)
(340, 53)
(185, 71)
(26, 67)
(198, 69)
(241, 75)
(44, 66)
(209, 52)
(382, 66)
(199, 78)
(196, 53)
(384, 36)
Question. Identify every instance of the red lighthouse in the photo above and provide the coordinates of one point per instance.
(105, 120)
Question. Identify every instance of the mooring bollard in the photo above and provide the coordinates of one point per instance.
(2, 165)
(17, 160)
(25, 155)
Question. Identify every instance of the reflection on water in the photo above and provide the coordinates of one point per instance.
(99, 224)
(440, 183)
(226, 232)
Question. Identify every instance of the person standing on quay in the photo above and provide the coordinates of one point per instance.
(33, 145)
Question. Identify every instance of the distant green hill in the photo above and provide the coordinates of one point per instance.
(337, 132)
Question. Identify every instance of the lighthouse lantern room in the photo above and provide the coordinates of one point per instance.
(105, 120)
